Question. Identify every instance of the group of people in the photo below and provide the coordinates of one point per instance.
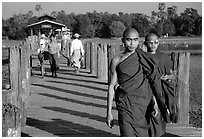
(142, 82)
(49, 49)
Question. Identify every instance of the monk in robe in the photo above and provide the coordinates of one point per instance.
(165, 70)
(132, 73)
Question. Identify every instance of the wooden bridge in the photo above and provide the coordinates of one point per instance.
(73, 104)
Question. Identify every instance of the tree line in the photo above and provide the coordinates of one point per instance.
(106, 25)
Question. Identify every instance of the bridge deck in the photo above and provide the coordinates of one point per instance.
(74, 105)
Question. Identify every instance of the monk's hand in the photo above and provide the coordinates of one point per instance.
(109, 119)
(164, 77)
(156, 110)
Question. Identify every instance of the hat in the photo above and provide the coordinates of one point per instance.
(65, 29)
(76, 35)
(43, 36)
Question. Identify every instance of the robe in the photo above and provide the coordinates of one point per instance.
(164, 65)
(134, 93)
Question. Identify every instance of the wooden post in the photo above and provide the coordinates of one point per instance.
(87, 56)
(113, 50)
(24, 83)
(99, 61)
(93, 67)
(182, 67)
(11, 120)
(102, 71)
(105, 63)
(67, 48)
(14, 66)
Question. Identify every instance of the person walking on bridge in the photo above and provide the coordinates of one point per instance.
(54, 49)
(132, 73)
(165, 70)
(76, 52)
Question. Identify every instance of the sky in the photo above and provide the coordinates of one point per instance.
(10, 8)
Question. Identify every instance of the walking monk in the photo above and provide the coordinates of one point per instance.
(165, 69)
(132, 73)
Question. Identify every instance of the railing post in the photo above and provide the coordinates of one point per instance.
(11, 116)
(93, 67)
(87, 56)
(113, 50)
(102, 63)
(182, 67)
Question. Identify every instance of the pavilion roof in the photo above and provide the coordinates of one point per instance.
(44, 21)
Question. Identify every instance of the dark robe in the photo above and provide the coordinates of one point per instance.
(158, 123)
(134, 93)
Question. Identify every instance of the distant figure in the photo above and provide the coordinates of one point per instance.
(165, 70)
(132, 73)
(65, 44)
(65, 40)
(54, 49)
(43, 53)
(76, 52)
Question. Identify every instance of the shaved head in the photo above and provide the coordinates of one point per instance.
(147, 38)
(128, 31)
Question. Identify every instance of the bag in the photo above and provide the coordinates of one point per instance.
(82, 62)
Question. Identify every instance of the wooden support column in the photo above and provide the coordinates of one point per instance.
(93, 66)
(87, 56)
(113, 50)
(182, 67)
(102, 72)
(99, 61)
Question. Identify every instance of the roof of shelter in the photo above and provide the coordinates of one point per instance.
(49, 21)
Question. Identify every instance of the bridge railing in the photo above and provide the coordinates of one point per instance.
(15, 94)
(97, 61)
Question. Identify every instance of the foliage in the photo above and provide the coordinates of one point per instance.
(117, 28)
(94, 24)
(168, 28)
(85, 28)
(141, 23)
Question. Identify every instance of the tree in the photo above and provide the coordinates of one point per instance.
(172, 12)
(38, 8)
(159, 28)
(126, 19)
(168, 27)
(198, 26)
(117, 28)
(158, 18)
(96, 20)
(84, 26)
(106, 21)
(54, 14)
(189, 17)
(141, 23)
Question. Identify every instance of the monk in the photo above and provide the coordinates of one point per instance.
(165, 70)
(132, 73)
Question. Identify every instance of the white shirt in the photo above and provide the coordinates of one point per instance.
(42, 44)
(76, 44)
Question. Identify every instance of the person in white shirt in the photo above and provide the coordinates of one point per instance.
(76, 52)
(43, 53)
(42, 43)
